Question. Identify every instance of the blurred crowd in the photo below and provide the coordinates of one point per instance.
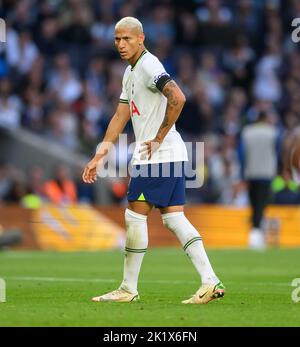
(60, 77)
(33, 188)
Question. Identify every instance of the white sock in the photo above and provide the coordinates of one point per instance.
(135, 248)
(192, 244)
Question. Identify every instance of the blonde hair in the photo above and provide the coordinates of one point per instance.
(130, 22)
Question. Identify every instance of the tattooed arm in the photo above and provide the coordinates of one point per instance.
(176, 100)
(175, 103)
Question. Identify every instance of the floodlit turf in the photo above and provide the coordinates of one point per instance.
(54, 289)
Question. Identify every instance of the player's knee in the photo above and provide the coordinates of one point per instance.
(169, 225)
(170, 220)
(131, 216)
(136, 230)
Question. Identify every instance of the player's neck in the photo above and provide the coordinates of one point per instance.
(132, 61)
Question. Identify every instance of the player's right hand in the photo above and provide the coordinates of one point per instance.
(89, 174)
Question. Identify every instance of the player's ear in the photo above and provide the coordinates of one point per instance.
(142, 38)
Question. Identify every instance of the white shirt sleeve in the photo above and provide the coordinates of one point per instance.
(153, 70)
(124, 96)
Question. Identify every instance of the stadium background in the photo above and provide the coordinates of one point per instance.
(60, 80)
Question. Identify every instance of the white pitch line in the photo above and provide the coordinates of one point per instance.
(111, 280)
(93, 280)
(57, 279)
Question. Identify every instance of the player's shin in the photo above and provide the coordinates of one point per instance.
(192, 244)
(135, 248)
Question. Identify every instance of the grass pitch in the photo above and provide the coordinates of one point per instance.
(54, 289)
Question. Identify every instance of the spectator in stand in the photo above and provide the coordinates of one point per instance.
(96, 76)
(28, 53)
(238, 62)
(36, 181)
(187, 31)
(61, 190)
(214, 13)
(259, 142)
(267, 84)
(33, 116)
(63, 126)
(212, 78)
(10, 106)
(160, 25)
(102, 31)
(16, 193)
(48, 41)
(64, 84)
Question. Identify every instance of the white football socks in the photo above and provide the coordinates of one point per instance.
(192, 244)
(135, 248)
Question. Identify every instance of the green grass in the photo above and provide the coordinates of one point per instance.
(258, 289)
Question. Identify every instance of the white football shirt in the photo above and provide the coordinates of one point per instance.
(147, 109)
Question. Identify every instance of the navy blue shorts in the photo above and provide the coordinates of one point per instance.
(160, 184)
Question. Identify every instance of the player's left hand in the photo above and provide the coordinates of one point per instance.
(89, 174)
(148, 148)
